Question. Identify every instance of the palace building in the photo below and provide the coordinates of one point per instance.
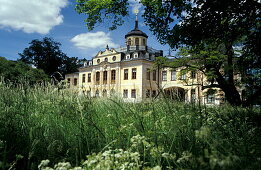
(130, 72)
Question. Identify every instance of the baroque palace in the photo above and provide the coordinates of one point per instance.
(130, 72)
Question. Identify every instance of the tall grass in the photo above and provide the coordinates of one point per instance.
(45, 122)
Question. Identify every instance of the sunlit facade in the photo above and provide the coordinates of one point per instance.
(130, 72)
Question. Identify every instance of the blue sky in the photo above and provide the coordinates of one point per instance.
(23, 21)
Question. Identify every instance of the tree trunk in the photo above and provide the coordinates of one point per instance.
(230, 67)
(231, 93)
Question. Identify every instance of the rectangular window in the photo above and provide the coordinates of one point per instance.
(75, 81)
(183, 76)
(97, 76)
(69, 81)
(134, 73)
(125, 93)
(133, 93)
(154, 75)
(148, 74)
(193, 95)
(105, 76)
(153, 93)
(129, 42)
(89, 77)
(164, 75)
(126, 74)
(83, 78)
(193, 74)
(210, 98)
(147, 93)
(113, 76)
(173, 75)
(136, 41)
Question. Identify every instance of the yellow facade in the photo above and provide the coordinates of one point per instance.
(129, 72)
(127, 79)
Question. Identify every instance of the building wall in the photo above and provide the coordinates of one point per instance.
(70, 79)
(145, 87)
(187, 86)
(192, 86)
(140, 83)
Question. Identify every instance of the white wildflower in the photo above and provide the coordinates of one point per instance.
(43, 164)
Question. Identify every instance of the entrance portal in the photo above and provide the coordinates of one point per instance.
(175, 93)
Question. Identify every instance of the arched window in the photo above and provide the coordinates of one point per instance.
(144, 41)
(106, 59)
(97, 93)
(135, 55)
(88, 93)
(112, 92)
(136, 41)
(104, 93)
(129, 41)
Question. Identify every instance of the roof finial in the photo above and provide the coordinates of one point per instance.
(136, 11)
(107, 47)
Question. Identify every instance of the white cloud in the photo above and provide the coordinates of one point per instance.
(136, 5)
(93, 40)
(31, 16)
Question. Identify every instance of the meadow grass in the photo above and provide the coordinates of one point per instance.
(68, 130)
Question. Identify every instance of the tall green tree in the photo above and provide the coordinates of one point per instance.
(46, 55)
(204, 28)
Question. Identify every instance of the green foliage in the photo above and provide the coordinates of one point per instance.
(203, 27)
(46, 55)
(17, 71)
(42, 122)
(99, 10)
(198, 20)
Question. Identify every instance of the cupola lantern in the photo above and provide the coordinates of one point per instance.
(136, 37)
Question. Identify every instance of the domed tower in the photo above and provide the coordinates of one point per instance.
(136, 37)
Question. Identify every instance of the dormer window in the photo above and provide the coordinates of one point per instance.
(98, 61)
(135, 55)
(127, 56)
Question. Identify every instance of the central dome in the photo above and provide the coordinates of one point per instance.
(136, 31)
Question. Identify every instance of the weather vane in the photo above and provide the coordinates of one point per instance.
(136, 11)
